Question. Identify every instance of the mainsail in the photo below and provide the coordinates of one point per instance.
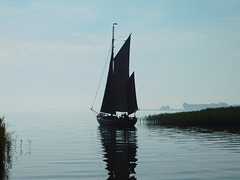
(120, 93)
(121, 75)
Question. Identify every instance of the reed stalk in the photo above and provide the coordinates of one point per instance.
(5, 150)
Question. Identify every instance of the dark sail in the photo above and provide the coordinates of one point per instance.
(121, 75)
(131, 95)
(120, 93)
(108, 99)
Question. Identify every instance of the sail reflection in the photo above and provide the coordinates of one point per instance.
(119, 152)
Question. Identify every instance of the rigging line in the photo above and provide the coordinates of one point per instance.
(121, 37)
(119, 44)
(101, 77)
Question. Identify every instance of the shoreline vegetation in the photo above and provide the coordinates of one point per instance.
(5, 150)
(211, 117)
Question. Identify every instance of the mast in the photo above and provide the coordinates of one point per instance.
(108, 98)
(113, 39)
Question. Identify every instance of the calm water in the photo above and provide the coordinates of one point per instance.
(71, 145)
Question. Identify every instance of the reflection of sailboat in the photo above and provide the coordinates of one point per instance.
(120, 93)
(119, 151)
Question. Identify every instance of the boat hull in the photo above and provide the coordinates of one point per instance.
(117, 122)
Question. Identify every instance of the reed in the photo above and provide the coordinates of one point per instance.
(5, 150)
(212, 117)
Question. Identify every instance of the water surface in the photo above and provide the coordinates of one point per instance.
(69, 144)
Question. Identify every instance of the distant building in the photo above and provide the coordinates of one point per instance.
(203, 106)
(165, 108)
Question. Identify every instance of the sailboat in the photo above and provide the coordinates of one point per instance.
(120, 92)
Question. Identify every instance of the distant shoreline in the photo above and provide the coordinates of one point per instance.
(162, 110)
(214, 117)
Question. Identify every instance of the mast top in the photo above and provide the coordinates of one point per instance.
(113, 39)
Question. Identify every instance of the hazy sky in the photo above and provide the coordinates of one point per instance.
(52, 52)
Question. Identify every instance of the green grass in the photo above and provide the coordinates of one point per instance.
(214, 117)
(5, 150)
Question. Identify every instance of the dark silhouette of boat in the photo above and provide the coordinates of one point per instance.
(120, 92)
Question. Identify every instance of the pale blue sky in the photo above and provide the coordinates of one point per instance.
(52, 53)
